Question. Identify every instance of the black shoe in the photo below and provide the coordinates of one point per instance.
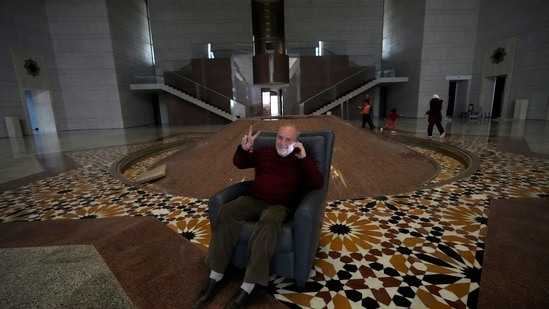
(239, 300)
(207, 293)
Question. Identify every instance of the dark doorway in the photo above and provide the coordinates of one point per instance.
(383, 101)
(498, 96)
(458, 90)
(156, 109)
(451, 99)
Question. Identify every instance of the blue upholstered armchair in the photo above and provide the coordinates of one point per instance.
(299, 242)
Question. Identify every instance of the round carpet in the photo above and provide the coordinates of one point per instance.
(363, 164)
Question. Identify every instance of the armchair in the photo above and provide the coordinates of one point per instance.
(298, 243)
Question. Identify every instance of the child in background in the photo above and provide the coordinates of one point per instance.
(391, 121)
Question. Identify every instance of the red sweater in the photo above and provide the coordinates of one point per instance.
(279, 180)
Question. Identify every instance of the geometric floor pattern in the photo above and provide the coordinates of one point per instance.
(418, 249)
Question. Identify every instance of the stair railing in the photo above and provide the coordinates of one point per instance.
(202, 93)
(337, 90)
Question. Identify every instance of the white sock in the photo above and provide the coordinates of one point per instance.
(248, 287)
(216, 276)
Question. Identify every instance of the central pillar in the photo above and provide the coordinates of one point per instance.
(270, 62)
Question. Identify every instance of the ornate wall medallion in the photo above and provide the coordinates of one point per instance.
(32, 67)
(498, 55)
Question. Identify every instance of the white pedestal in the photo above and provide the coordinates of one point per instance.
(13, 126)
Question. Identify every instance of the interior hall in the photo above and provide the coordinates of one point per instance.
(96, 95)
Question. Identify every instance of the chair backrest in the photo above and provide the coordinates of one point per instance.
(319, 146)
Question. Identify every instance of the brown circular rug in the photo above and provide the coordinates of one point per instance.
(363, 163)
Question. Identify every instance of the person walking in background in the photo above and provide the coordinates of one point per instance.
(435, 116)
(366, 112)
(391, 121)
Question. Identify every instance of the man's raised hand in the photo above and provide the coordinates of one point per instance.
(248, 139)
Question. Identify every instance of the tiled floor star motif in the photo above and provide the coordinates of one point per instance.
(419, 249)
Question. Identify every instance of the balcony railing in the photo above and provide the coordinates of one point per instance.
(295, 49)
(145, 76)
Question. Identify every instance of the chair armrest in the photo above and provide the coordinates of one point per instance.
(308, 221)
(312, 206)
(224, 196)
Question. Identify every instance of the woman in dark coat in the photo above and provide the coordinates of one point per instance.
(435, 115)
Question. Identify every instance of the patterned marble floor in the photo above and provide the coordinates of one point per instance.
(418, 249)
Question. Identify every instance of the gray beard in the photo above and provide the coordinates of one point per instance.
(284, 152)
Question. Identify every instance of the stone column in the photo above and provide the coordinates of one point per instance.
(270, 62)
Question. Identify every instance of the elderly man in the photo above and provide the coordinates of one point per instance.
(282, 173)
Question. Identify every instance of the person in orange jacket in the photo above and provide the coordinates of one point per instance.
(366, 112)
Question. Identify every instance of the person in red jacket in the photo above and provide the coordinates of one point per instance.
(391, 121)
(281, 176)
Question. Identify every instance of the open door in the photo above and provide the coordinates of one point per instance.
(40, 111)
(497, 97)
(451, 98)
(457, 97)
(271, 103)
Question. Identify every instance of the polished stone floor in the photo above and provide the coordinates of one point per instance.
(420, 248)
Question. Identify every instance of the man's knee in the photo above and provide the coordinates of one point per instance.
(274, 216)
(268, 224)
(231, 208)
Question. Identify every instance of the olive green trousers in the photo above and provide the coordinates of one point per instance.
(263, 241)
